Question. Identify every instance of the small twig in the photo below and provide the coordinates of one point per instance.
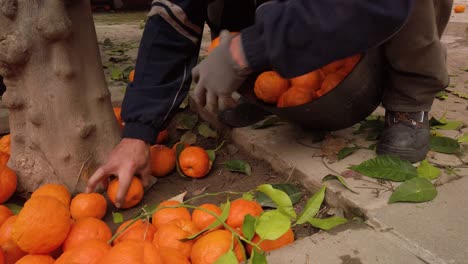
(328, 167)
(80, 173)
(291, 173)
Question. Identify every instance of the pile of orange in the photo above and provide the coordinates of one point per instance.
(272, 88)
(54, 227)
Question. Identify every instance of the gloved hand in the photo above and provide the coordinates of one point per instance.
(218, 75)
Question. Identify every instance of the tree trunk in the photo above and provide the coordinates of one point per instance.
(61, 119)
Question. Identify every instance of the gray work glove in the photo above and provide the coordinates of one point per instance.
(218, 76)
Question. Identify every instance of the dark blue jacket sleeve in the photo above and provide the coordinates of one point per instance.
(297, 36)
(168, 51)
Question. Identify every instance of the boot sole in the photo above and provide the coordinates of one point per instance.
(406, 154)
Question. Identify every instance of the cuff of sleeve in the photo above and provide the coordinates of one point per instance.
(254, 49)
(140, 131)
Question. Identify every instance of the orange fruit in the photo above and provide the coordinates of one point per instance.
(170, 234)
(134, 194)
(202, 219)
(36, 259)
(170, 255)
(296, 96)
(194, 162)
(309, 81)
(330, 82)
(42, 225)
(333, 66)
(5, 143)
(162, 137)
(8, 182)
(239, 209)
(89, 252)
(84, 229)
(269, 86)
(459, 9)
(6, 228)
(2, 256)
(12, 252)
(117, 113)
(133, 252)
(5, 213)
(57, 191)
(140, 230)
(118, 116)
(166, 215)
(208, 248)
(131, 76)
(270, 245)
(4, 157)
(215, 42)
(163, 160)
(88, 205)
(349, 64)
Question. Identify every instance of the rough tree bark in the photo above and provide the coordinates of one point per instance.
(61, 119)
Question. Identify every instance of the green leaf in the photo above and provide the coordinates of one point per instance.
(270, 121)
(280, 198)
(372, 146)
(428, 171)
(387, 167)
(228, 258)
(186, 121)
(291, 190)
(442, 95)
(272, 224)
(248, 196)
(346, 151)
(184, 103)
(414, 190)
(116, 74)
(117, 217)
(340, 179)
(211, 154)
(238, 166)
(373, 134)
(435, 122)
(257, 257)
(14, 208)
(205, 130)
(312, 206)
(448, 125)
(460, 94)
(327, 223)
(107, 42)
(189, 138)
(248, 227)
(444, 145)
(463, 138)
(126, 72)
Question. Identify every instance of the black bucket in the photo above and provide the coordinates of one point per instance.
(355, 98)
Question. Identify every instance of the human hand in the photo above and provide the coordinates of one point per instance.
(220, 74)
(130, 157)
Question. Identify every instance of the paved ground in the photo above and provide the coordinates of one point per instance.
(432, 232)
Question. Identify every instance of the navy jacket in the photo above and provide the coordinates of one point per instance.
(293, 37)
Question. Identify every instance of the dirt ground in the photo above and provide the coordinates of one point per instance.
(124, 31)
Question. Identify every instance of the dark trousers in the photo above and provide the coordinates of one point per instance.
(416, 58)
